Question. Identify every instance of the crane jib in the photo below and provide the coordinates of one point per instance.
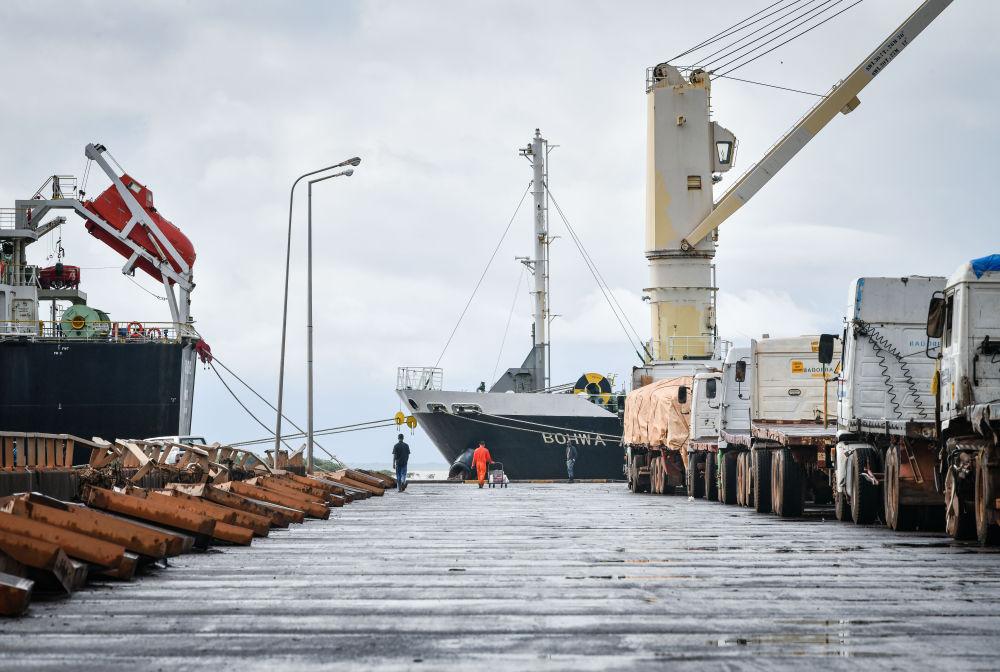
(884, 56)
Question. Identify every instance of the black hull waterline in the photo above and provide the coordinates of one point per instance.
(530, 451)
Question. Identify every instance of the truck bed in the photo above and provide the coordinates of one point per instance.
(913, 428)
(794, 434)
(704, 443)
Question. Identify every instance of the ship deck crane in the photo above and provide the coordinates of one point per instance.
(842, 98)
(686, 154)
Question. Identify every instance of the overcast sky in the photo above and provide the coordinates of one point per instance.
(217, 106)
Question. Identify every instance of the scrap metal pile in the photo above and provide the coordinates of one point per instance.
(138, 503)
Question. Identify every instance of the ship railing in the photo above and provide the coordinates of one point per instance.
(98, 331)
(677, 348)
(8, 218)
(63, 186)
(419, 378)
(25, 276)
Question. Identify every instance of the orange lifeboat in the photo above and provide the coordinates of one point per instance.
(110, 207)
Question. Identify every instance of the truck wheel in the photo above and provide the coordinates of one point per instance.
(986, 523)
(656, 476)
(761, 460)
(897, 516)
(787, 490)
(711, 485)
(727, 478)
(841, 507)
(959, 522)
(865, 499)
(694, 480)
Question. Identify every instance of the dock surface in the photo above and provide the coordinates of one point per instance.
(538, 576)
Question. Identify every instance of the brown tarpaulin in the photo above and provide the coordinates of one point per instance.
(655, 417)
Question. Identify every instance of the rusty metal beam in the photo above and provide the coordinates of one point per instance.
(45, 557)
(15, 594)
(259, 525)
(76, 545)
(278, 517)
(161, 513)
(310, 509)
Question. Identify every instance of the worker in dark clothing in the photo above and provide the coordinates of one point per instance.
(570, 460)
(400, 456)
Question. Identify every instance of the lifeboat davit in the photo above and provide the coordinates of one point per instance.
(110, 207)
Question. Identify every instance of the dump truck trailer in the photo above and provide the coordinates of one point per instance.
(787, 454)
(887, 452)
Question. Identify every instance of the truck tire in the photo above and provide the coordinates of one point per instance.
(864, 503)
(786, 490)
(899, 517)
(727, 478)
(761, 463)
(986, 521)
(959, 521)
(841, 506)
(711, 484)
(693, 478)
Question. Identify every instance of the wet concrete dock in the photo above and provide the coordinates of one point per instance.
(583, 576)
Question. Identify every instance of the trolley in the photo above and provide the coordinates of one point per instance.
(497, 477)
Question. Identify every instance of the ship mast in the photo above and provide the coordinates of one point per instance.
(537, 153)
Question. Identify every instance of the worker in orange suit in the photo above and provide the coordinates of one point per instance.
(481, 459)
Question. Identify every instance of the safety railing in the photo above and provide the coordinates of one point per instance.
(8, 218)
(63, 186)
(419, 378)
(678, 348)
(97, 331)
(25, 276)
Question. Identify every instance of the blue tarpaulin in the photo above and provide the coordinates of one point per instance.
(984, 264)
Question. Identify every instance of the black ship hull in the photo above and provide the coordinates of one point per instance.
(102, 389)
(531, 447)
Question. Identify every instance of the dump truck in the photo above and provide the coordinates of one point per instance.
(655, 431)
(966, 319)
(787, 454)
(734, 421)
(886, 454)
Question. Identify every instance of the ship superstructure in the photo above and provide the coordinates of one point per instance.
(69, 367)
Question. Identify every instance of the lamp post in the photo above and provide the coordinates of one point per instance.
(284, 312)
(309, 314)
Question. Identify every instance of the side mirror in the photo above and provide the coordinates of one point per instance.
(935, 317)
(710, 390)
(741, 371)
(826, 348)
(682, 394)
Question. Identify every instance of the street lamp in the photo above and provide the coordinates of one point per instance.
(284, 313)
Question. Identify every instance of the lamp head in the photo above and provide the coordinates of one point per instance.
(349, 172)
(355, 161)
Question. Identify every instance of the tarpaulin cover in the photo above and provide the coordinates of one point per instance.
(655, 417)
(985, 264)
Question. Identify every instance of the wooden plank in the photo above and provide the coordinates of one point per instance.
(76, 545)
(8, 452)
(45, 557)
(210, 493)
(162, 513)
(259, 525)
(272, 497)
(132, 537)
(15, 594)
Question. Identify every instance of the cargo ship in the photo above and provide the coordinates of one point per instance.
(67, 367)
(526, 423)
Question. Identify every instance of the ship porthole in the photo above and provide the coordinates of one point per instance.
(413, 404)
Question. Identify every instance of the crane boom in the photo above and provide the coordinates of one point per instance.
(842, 98)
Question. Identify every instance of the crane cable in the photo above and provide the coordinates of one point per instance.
(602, 283)
(328, 431)
(482, 276)
(732, 48)
(794, 37)
(732, 30)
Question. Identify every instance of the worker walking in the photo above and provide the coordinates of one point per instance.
(400, 456)
(481, 459)
(570, 460)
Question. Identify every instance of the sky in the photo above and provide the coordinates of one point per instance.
(218, 106)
